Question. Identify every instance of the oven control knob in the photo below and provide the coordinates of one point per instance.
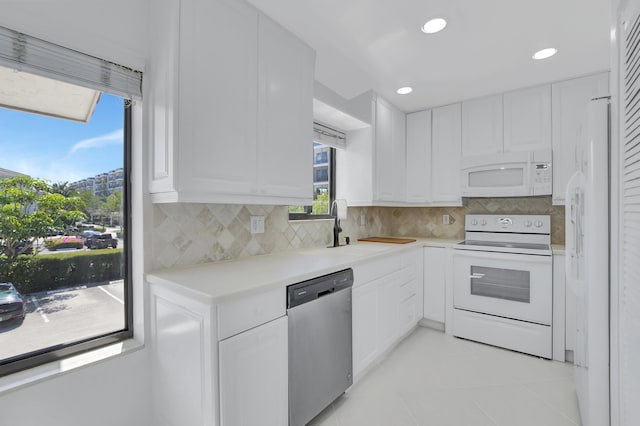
(538, 223)
(483, 222)
(528, 223)
(474, 222)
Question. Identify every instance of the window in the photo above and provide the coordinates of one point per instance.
(323, 185)
(326, 140)
(65, 253)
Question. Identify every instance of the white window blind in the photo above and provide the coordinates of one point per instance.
(328, 136)
(629, 293)
(25, 53)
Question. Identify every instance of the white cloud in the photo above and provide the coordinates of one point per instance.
(113, 138)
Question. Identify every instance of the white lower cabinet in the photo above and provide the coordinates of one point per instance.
(219, 364)
(183, 357)
(385, 308)
(434, 283)
(254, 376)
(365, 325)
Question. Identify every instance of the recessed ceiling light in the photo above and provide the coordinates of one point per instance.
(404, 90)
(545, 53)
(434, 25)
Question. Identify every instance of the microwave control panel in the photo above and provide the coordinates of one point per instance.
(542, 178)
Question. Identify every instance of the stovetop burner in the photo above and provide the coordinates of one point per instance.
(518, 234)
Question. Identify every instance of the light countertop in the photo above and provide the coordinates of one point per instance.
(217, 282)
(221, 281)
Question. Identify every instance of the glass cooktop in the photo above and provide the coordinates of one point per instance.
(505, 247)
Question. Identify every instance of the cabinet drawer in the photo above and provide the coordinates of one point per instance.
(406, 290)
(408, 315)
(236, 316)
(365, 272)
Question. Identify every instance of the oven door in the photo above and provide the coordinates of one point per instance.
(516, 286)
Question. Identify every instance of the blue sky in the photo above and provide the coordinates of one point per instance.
(61, 150)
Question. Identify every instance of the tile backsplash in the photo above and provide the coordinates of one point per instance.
(187, 234)
(427, 221)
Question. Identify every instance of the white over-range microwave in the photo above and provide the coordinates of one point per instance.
(508, 174)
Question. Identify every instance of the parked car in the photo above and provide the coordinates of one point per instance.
(52, 232)
(101, 241)
(11, 303)
(88, 234)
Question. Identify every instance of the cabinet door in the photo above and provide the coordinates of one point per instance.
(285, 99)
(446, 151)
(434, 283)
(254, 376)
(218, 97)
(388, 311)
(482, 126)
(418, 178)
(569, 101)
(384, 153)
(161, 95)
(365, 325)
(399, 134)
(527, 119)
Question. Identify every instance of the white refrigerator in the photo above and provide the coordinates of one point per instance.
(587, 257)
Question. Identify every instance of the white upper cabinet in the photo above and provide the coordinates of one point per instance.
(569, 101)
(218, 98)
(370, 171)
(245, 90)
(527, 119)
(446, 154)
(389, 152)
(383, 152)
(285, 113)
(418, 182)
(482, 126)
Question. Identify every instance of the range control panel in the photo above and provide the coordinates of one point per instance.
(516, 223)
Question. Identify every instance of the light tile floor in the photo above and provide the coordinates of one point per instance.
(432, 379)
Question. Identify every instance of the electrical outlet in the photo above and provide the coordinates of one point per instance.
(445, 219)
(363, 219)
(257, 224)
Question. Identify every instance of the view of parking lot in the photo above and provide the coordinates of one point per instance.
(64, 316)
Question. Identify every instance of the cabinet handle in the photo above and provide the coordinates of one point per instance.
(476, 275)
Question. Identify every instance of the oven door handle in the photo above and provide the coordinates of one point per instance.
(476, 275)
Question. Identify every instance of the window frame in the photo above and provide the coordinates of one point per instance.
(307, 215)
(43, 356)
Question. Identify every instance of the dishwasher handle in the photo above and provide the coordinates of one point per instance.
(315, 288)
(324, 293)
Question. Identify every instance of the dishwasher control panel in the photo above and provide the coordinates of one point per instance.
(309, 290)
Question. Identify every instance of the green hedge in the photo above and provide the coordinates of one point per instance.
(31, 274)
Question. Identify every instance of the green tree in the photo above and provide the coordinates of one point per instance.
(28, 210)
(113, 204)
(321, 204)
(92, 204)
(63, 188)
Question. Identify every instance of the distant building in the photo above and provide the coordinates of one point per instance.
(320, 169)
(4, 173)
(102, 185)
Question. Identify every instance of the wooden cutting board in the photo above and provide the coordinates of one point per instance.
(390, 240)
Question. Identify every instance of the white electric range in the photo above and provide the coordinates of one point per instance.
(502, 282)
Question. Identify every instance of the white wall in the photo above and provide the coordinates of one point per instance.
(114, 30)
(115, 391)
(111, 393)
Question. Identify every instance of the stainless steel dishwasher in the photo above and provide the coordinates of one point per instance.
(320, 351)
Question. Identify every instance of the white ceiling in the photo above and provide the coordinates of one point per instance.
(486, 47)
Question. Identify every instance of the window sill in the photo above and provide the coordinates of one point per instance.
(314, 219)
(55, 369)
